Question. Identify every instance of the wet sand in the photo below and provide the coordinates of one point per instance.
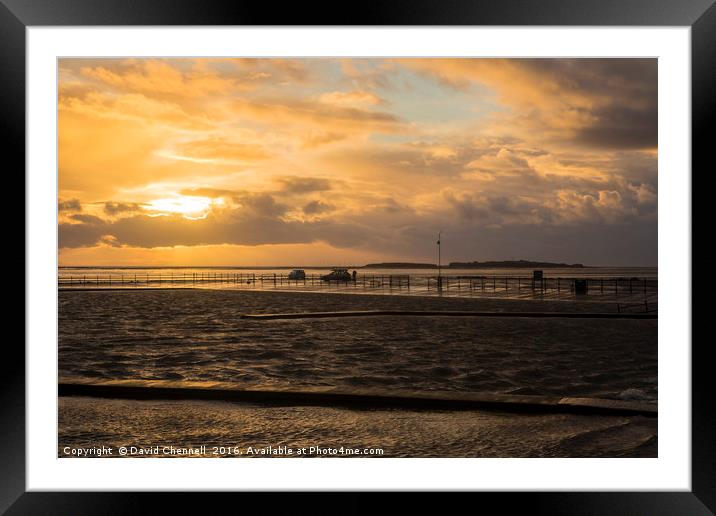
(87, 422)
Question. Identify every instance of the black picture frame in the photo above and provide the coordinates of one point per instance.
(17, 15)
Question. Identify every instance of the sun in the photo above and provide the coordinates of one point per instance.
(191, 207)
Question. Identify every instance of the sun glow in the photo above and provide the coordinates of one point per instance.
(190, 207)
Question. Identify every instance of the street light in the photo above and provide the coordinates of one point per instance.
(439, 259)
(440, 279)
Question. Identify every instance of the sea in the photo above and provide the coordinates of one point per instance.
(195, 336)
(555, 272)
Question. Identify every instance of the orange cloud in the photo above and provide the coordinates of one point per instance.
(158, 77)
(372, 155)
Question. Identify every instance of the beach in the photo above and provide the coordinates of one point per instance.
(86, 423)
(198, 336)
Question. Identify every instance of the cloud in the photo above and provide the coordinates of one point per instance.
(561, 207)
(467, 206)
(504, 162)
(218, 148)
(212, 193)
(245, 228)
(350, 98)
(316, 207)
(316, 138)
(87, 219)
(645, 194)
(262, 204)
(115, 208)
(621, 127)
(133, 107)
(302, 185)
(604, 103)
(69, 205)
(299, 112)
(154, 77)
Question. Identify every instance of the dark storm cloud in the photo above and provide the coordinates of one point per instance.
(626, 92)
(621, 127)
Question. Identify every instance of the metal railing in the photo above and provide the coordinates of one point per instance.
(628, 290)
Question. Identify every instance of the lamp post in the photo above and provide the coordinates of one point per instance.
(440, 279)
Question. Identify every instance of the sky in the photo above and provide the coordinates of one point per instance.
(260, 162)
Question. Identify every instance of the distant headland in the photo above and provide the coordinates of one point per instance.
(503, 264)
(400, 265)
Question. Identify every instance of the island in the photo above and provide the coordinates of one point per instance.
(400, 265)
(502, 264)
(513, 264)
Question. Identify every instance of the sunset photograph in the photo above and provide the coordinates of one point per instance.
(357, 257)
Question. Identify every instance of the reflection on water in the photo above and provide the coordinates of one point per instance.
(196, 335)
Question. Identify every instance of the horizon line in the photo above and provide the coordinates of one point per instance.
(417, 266)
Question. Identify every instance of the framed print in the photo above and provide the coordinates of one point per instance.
(421, 251)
